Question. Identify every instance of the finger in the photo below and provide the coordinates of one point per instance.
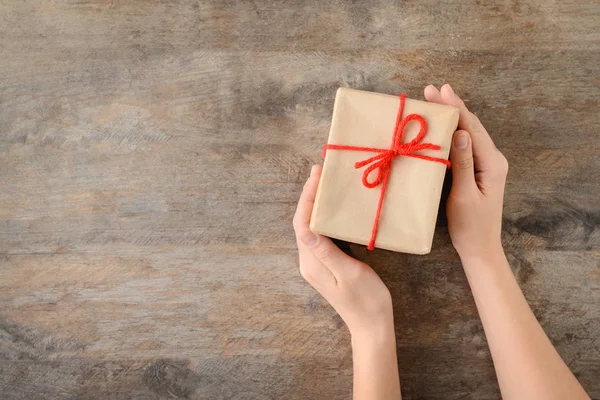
(483, 146)
(307, 199)
(318, 275)
(447, 97)
(324, 250)
(484, 150)
(467, 120)
(461, 155)
(320, 246)
(433, 95)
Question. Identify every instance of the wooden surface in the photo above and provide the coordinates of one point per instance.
(152, 152)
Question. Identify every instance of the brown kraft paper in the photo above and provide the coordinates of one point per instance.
(345, 209)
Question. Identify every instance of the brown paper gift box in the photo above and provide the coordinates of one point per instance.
(345, 209)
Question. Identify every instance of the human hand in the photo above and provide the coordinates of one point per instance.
(474, 206)
(351, 287)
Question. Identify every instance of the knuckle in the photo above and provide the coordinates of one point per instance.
(473, 119)
(460, 200)
(385, 296)
(477, 125)
(305, 273)
(296, 223)
(324, 253)
(358, 274)
(488, 185)
(465, 163)
(304, 235)
(500, 167)
(503, 163)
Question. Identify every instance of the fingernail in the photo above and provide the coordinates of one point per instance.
(461, 141)
(309, 239)
(312, 170)
(450, 88)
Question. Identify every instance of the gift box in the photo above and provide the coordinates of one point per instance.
(384, 167)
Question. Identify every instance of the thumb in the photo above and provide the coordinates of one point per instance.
(461, 156)
(324, 250)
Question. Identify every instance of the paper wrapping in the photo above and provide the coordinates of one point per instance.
(345, 209)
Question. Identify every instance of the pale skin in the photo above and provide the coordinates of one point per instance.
(527, 364)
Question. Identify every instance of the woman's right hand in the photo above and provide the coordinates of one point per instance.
(351, 287)
(474, 206)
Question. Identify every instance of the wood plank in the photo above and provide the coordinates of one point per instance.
(250, 26)
(152, 153)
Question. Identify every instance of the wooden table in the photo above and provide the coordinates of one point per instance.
(151, 156)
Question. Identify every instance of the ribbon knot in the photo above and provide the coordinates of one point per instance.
(382, 161)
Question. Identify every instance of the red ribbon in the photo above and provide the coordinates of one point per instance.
(382, 162)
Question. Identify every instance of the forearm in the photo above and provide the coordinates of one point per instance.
(375, 365)
(526, 363)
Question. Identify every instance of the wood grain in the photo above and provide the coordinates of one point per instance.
(152, 152)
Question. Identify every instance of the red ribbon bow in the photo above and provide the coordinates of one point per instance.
(382, 162)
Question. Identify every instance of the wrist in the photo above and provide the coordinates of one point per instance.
(488, 255)
(484, 265)
(374, 336)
